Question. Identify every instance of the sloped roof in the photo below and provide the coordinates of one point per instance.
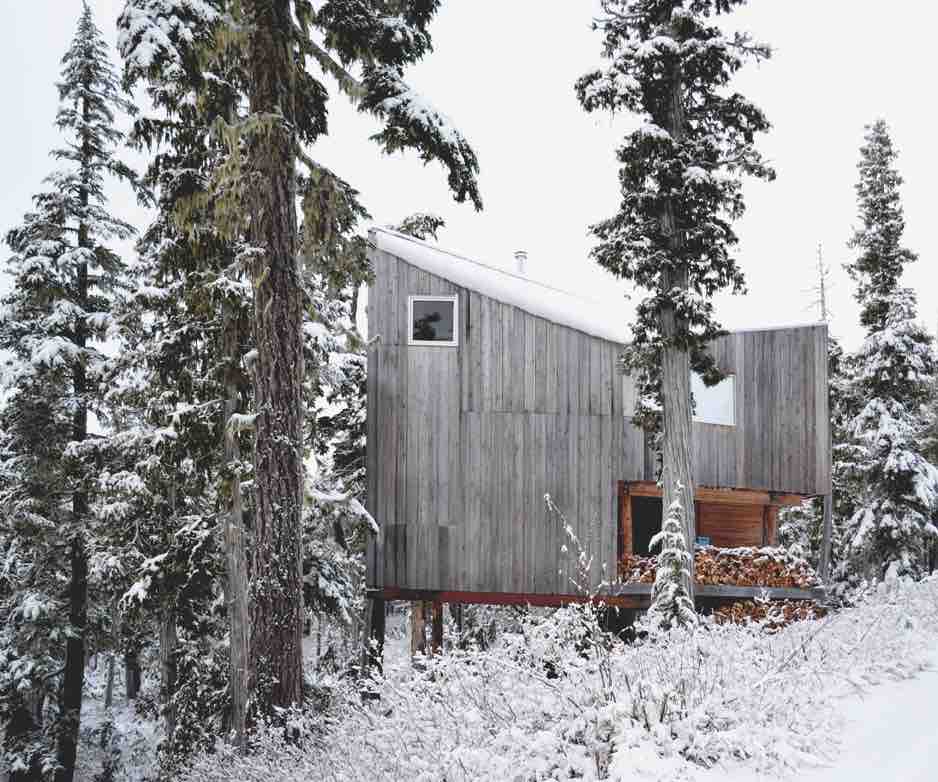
(553, 304)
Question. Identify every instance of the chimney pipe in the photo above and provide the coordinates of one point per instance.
(521, 260)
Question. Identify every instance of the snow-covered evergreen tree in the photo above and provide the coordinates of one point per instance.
(681, 185)
(253, 192)
(64, 277)
(671, 603)
(893, 379)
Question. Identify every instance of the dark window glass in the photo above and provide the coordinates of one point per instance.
(433, 321)
(646, 523)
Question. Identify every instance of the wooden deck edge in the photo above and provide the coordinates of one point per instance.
(728, 591)
(618, 595)
(503, 598)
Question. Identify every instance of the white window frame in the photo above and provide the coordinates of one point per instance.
(454, 342)
(730, 376)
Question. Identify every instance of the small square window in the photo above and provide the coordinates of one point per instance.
(433, 320)
(716, 404)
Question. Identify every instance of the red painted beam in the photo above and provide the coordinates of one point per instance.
(504, 598)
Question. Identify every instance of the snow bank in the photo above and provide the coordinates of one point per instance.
(529, 295)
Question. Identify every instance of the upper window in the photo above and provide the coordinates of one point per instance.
(716, 404)
(433, 320)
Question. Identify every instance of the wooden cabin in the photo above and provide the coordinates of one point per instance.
(488, 390)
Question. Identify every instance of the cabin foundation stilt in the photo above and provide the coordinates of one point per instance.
(374, 653)
(825, 563)
(419, 615)
(436, 628)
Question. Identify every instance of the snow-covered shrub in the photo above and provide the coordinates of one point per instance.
(800, 529)
(715, 693)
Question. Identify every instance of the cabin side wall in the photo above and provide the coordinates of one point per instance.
(780, 441)
(465, 441)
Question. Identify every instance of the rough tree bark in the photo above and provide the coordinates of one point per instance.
(276, 578)
(112, 657)
(238, 619)
(73, 680)
(132, 674)
(677, 427)
(168, 642)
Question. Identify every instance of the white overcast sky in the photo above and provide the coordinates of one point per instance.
(504, 71)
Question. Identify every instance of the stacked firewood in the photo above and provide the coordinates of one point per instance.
(773, 615)
(770, 567)
(634, 569)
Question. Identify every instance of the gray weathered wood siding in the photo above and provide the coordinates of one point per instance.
(465, 441)
(780, 438)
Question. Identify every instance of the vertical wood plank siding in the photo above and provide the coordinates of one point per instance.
(463, 442)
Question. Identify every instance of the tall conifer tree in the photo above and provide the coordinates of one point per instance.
(893, 379)
(64, 278)
(681, 187)
(187, 329)
(255, 191)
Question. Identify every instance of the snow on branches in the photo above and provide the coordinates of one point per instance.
(158, 35)
(64, 279)
(893, 380)
(898, 486)
(671, 603)
(413, 122)
(681, 169)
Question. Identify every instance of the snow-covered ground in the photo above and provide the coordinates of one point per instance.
(890, 733)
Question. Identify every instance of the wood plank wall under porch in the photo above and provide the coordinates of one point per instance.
(726, 518)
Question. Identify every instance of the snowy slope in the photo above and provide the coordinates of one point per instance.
(890, 733)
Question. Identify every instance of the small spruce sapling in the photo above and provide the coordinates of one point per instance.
(671, 604)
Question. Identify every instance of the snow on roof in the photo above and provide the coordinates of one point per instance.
(558, 306)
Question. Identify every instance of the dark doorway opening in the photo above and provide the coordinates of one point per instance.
(646, 522)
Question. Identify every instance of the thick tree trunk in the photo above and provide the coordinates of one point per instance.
(238, 619)
(419, 614)
(132, 675)
(436, 632)
(112, 657)
(109, 686)
(677, 428)
(276, 578)
(374, 635)
(73, 680)
(168, 643)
